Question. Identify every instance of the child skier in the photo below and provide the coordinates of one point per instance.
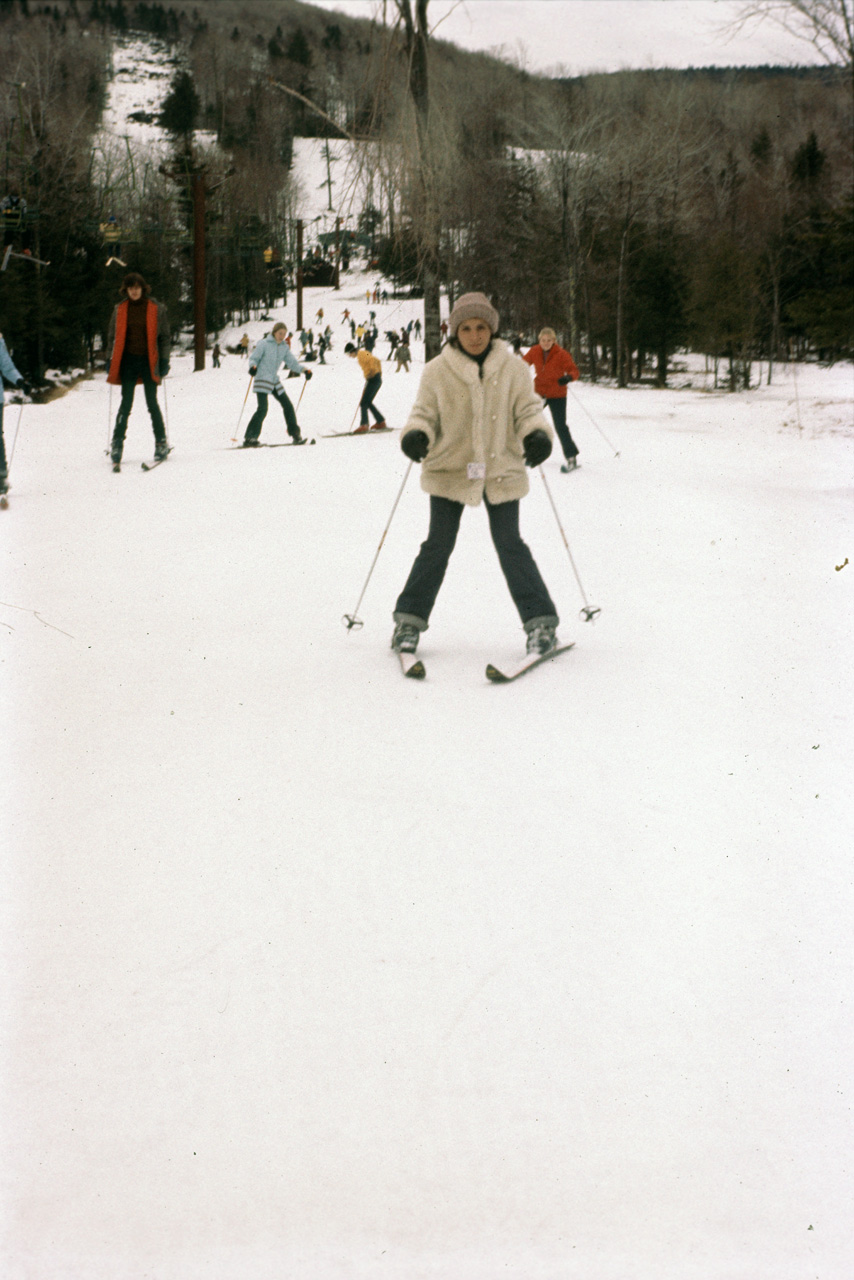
(269, 354)
(373, 371)
(139, 343)
(10, 373)
(476, 424)
(554, 369)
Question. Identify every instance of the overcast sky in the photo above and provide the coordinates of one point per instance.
(604, 35)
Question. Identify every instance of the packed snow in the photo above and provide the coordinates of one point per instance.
(313, 970)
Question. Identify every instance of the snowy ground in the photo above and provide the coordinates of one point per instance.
(314, 971)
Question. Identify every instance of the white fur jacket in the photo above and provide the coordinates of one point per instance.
(476, 418)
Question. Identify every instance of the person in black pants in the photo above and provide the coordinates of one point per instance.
(554, 369)
(475, 425)
(11, 374)
(139, 347)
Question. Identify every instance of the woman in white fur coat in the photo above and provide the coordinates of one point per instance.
(476, 424)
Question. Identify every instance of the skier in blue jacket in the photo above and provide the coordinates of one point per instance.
(10, 373)
(269, 354)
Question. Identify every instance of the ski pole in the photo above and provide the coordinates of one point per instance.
(583, 406)
(109, 420)
(242, 407)
(15, 438)
(352, 620)
(588, 613)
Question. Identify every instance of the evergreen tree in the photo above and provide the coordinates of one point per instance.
(181, 106)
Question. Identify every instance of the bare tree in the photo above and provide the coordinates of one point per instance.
(427, 223)
(828, 25)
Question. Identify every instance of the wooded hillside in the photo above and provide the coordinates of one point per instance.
(637, 213)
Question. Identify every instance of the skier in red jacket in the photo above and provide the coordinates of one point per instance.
(554, 369)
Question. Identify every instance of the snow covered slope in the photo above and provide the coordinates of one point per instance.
(315, 971)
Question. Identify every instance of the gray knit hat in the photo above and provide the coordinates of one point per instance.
(473, 306)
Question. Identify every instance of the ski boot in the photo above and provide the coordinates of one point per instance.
(405, 637)
(541, 636)
(161, 449)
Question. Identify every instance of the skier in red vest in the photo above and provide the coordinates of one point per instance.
(139, 343)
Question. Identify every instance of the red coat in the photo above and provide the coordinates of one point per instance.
(549, 366)
(118, 334)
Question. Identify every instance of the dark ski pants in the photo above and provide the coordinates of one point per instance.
(253, 427)
(558, 412)
(527, 588)
(134, 368)
(372, 386)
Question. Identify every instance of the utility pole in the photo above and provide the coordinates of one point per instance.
(336, 284)
(194, 176)
(199, 289)
(299, 274)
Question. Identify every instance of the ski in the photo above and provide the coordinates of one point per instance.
(287, 444)
(281, 444)
(149, 466)
(502, 677)
(412, 666)
(374, 431)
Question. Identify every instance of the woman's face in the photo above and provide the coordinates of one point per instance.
(473, 336)
(134, 292)
(546, 341)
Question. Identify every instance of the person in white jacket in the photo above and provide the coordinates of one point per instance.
(475, 425)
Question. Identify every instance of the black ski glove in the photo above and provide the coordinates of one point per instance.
(308, 374)
(24, 386)
(252, 370)
(564, 379)
(164, 368)
(537, 448)
(415, 444)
